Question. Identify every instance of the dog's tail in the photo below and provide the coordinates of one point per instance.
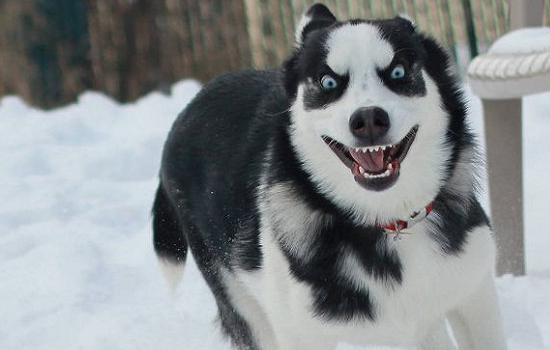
(168, 238)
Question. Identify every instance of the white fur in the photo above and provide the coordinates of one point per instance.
(411, 314)
(173, 273)
(244, 300)
(417, 184)
(304, 21)
(435, 285)
(350, 50)
(476, 321)
(406, 17)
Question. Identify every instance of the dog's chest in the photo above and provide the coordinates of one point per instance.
(432, 283)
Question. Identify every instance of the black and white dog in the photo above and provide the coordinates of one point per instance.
(334, 200)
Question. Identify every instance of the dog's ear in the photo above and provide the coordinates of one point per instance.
(404, 21)
(318, 16)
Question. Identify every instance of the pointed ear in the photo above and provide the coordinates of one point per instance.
(406, 22)
(318, 16)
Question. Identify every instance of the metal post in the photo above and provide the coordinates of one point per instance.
(504, 148)
(526, 13)
(504, 157)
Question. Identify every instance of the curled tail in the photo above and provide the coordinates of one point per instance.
(168, 238)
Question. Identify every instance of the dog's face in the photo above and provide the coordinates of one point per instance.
(369, 120)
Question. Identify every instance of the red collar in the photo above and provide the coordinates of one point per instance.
(398, 226)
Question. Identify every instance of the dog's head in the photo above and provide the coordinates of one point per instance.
(377, 116)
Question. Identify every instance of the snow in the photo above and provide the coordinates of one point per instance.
(522, 41)
(77, 269)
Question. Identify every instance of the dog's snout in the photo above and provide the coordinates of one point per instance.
(369, 123)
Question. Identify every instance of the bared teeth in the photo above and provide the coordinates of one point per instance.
(373, 163)
(376, 176)
(373, 148)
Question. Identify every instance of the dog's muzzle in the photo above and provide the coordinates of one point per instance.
(374, 167)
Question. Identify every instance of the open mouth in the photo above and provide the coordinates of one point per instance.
(374, 167)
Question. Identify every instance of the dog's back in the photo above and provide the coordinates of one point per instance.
(210, 167)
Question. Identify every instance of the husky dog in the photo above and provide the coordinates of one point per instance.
(334, 200)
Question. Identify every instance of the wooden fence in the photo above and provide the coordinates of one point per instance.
(52, 50)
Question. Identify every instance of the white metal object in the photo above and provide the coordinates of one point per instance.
(517, 64)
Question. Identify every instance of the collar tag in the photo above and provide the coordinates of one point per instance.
(397, 227)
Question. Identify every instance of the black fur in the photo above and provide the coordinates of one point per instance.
(308, 60)
(335, 296)
(236, 131)
(321, 18)
(217, 177)
(452, 230)
(459, 136)
(168, 239)
(409, 52)
(412, 84)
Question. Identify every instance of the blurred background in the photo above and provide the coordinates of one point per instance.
(53, 50)
(77, 266)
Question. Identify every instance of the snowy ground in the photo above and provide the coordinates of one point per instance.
(77, 270)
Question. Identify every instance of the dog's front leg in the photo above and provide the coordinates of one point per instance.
(438, 339)
(476, 321)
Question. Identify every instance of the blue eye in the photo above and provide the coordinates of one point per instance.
(398, 72)
(328, 82)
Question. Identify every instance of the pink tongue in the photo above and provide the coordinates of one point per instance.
(373, 162)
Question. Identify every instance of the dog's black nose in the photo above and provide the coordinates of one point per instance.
(369, 123)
